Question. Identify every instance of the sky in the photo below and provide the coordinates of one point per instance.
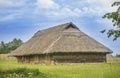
(23, 18)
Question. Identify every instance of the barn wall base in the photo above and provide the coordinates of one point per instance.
(64, 58)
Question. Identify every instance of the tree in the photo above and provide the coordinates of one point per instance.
(115, 17)
(3, 47)
(117, 55)
(14, 44)
(8, 47)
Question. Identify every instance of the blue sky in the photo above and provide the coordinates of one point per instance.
(22, 18)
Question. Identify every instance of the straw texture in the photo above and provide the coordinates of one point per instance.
(62, 38)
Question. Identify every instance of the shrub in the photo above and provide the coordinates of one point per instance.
(20, 73)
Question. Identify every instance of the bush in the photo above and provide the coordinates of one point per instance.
(20, 73)
(117, 55)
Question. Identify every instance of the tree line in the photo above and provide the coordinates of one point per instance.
(10, 46)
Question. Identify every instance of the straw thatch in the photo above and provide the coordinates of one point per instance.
(64, 38)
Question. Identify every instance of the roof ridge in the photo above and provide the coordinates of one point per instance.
(41, 31)
(64, 24)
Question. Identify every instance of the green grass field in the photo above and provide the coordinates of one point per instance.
(108, 70)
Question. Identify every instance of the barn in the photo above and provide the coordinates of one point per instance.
(64, 43)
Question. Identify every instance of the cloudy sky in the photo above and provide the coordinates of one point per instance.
(22, 18)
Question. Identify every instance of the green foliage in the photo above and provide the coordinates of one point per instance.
(8, 47)
(3, 47)
(117, 55)
(115, 17)
(20, 73)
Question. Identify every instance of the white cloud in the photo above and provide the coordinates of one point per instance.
(104, 5)
(63, 13)
(107, 24)
(47, 4)
(11, 9)
(103, 2)
(66, 12)
(5, 2)
(11, 16)
(12, 3)
(96, 8)
(6, 18)
(50, 8)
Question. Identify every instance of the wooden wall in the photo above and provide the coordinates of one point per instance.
(35, 59)
(80, 58)
(63, 58)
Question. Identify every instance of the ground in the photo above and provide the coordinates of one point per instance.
(104, 70)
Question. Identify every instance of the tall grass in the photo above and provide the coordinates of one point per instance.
(5, 57)
(108, 70)
(20, 73)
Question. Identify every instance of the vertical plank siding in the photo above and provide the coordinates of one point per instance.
(63, 58)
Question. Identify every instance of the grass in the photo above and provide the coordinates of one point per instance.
(20, 73)
(108, 70)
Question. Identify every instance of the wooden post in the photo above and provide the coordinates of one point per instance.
(47, 59)
(36, 59)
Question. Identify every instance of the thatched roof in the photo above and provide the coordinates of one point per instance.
(62, 38)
